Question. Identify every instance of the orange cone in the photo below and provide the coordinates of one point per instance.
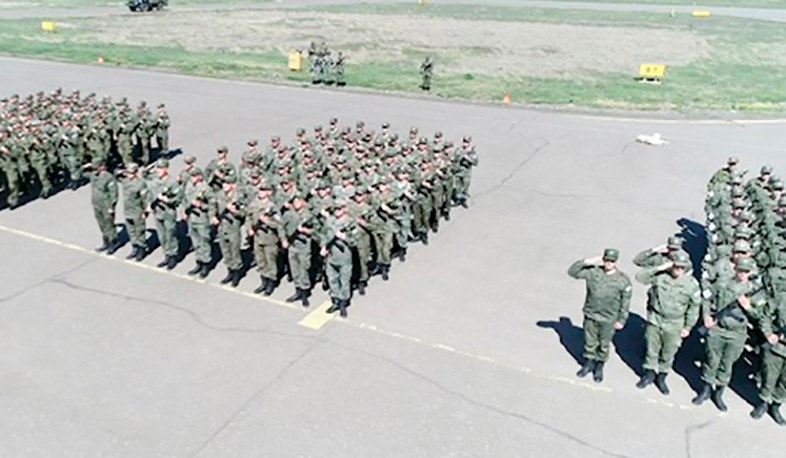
(507, 99)
(100, 59)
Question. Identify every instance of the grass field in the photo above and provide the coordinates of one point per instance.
(539, 56)
(21, 4)
(737, 3)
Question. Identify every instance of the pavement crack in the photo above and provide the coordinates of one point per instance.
(53, 277)
(483, 405)
(195, 317)
(256, 395)
(515, 170)
(690, 431)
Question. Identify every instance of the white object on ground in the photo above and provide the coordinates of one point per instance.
(653, 139)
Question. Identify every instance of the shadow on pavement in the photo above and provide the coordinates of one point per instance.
(570, 336)
(695, 236)
(685, 363)
(629, 343)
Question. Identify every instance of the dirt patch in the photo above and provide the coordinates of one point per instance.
(460, 46)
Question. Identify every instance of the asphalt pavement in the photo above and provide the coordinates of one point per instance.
(469, 350)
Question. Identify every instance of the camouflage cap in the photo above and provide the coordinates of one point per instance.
(252, 142)
(776, 184)
(736, 178)
(741, 246)
(317, 128)
(413, 130)
(746, 216)
(222, 149)
(738, 203)
(132, 167)
(766, 169)
(379, 142)
(189, 159)
(611, 254)
(300, 131)
(745, 264)
(162, 163)
(385, 125)
(782, 201)
(438, 134)
(254, 173)
(733, 160)
(360, 124)
(231, 179)
(743, 233)
(737, 192)
(333, 121)
(674, 242)
(680, 259)
(197, 172)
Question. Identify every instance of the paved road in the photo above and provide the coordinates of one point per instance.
(467, 351)
(768, 14)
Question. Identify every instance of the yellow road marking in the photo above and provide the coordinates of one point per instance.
(140, 265)
(318, 318)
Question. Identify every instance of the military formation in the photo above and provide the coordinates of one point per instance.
(49, 142)
(736, 303)
(333, 206)
(324, 67)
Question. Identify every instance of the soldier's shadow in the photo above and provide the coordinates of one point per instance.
(570, 336)
(695, 237)
(742, 380)
(686, 361)
(629, 343)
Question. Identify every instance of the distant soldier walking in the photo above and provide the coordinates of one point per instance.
(426, 72)
(606, 307)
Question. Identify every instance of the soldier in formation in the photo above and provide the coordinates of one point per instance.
(49, 141)
(335, 206)
(324, 68)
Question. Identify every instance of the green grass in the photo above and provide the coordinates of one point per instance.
(737, 3)
(740, 73)
(118, 3)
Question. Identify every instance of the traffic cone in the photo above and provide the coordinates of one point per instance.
(507, 99)
(100, 59)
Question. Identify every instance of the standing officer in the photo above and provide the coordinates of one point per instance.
(426, 71)
(673, 303)
(165, 194)
(337, 244)
(298, 228)
(658, 256)
(135, 199)
(267, 232)
(727, 309)
(230, 215)
(162, 129)
(606, 307)
(773, 380)
(103, 189)
(200, 210)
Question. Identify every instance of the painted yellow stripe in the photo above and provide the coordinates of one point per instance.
(140, 265)
(318, 318)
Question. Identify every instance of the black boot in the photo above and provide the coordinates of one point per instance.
(228, 278)
(597, 372)
(342, 307)
(705, 393)
(334, 307)
(385, 271)
(235, 278)
(112, 247)
(304, 297)
(171, 262)
(463, 203)
(141, 253)
(758, 412)
(586, 368)
(775, 413)
(262, 286)
(164, 262)
(424, 238)
(403, 255)
(196, 269)
(362, 288)
(717, 399)
(295, 297)
(271, 286)
(133, 253)
(103, 247)
(646, 379)
(205, 270)
(325, 285)
(660, 382)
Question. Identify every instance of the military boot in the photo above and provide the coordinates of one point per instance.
(334, 307)
(196, 269)
(362, 288)
(775, 413)
(205, 270)
(112, 247)
(705, 393)
(271, 286)
(103, 246)
(342, 307)
(758, 412)
(646, 379)
(228, 278)
(171, 262)
(140, 254)
(235, 278)
(717, 399)
(385, 272)
(660, 383)
(463, 203)
(164, 262)
(586, 368)
(304, 297)
(597, 372)
(263, 286)
(133, 253)
(424, 238)
(325, 284)
(295, 297)
(403, 255)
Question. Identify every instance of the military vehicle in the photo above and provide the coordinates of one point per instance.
(146, 5)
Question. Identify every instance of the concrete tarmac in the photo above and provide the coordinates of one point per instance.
(469, 350)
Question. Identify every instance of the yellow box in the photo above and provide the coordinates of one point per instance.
(48, 26)
(652, 71)
(296, 61)
(701, 14)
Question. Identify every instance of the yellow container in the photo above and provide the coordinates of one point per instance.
(296, 61)
(701, 14)
(652, 71)
(48, 26)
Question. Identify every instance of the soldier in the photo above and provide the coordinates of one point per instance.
(162, 129)
(185, 175)
(727, 309)
(9, 159)
(337, 242)
(426, 72)
(606, 307)
(673, 304)
(338, 70)
(124, 139)
(466, 159)
(723, 175)
(39, 161)
(164, 199)
(773, 381)
(103, 191)
(200, 210)
(230, 215)
(298, 229)
(68, 154)
(659, 255)
(267, 231)
(135, 201)
(360, 210)
(219, 170)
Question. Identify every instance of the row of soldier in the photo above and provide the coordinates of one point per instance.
(46, 140)
(335, 206)
(737, 301)
(323, 67)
